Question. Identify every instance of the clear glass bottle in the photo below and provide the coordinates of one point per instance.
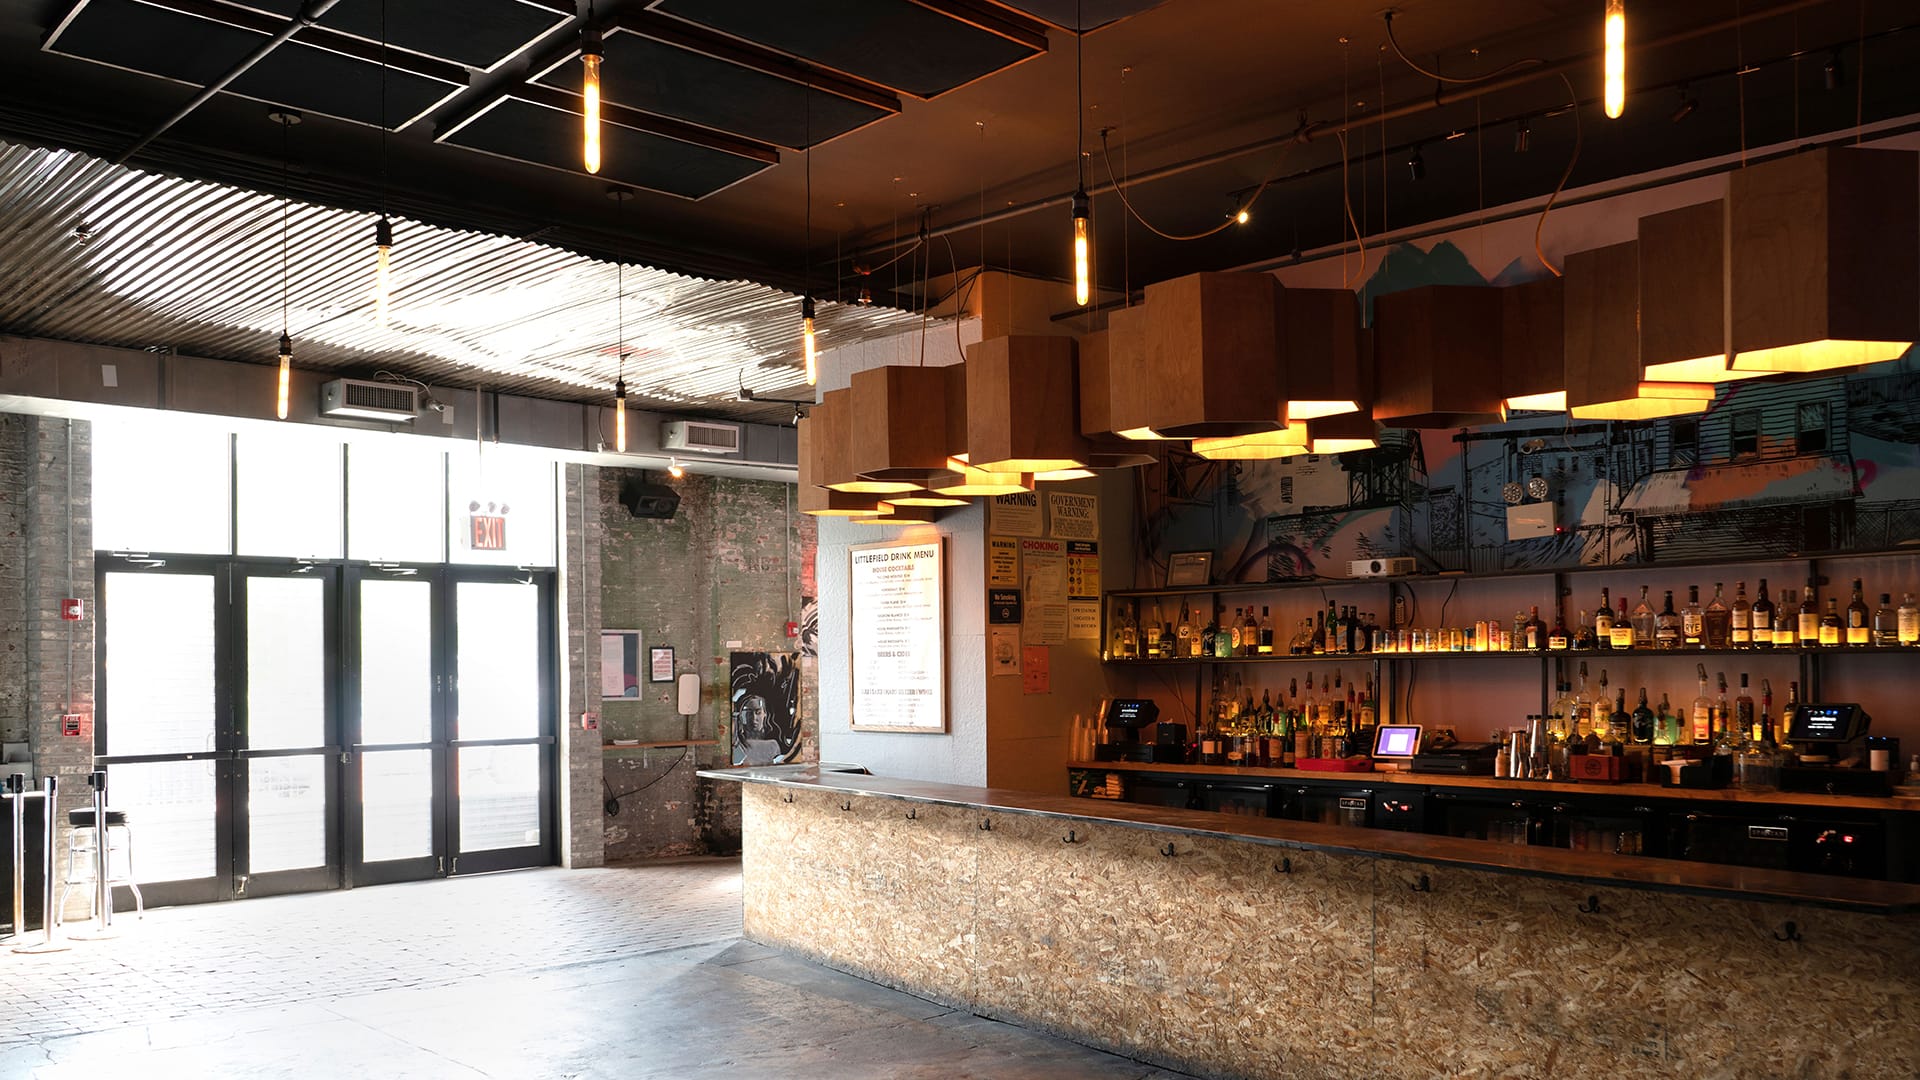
(1645, 623)
(1740, 618)
(1692, 621)
(1129, 645)
(1701, 727)
(1603, 622)
(1721, 730)
(1807, 625)
(1560, 712)
(1786, 622)
(1859, 632)
(1909, 621)
(1222, 634)
(1832, 634)
(1746, 721)
(1623, 628)
(1717, 621)
(1581, 722)
(1153, 635)
(1763, 619)
(1585, 638)
(1886, 624)
(1666, 626)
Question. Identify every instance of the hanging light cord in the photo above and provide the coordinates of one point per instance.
(386, 183)
(1079, 99)
(806, 236)
(1121, 190)
(1539, 252)
(286, 178)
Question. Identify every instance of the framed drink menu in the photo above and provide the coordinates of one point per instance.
(896, 596)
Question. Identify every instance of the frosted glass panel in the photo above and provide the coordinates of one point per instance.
(162, 486)
(286, 663)
(396, 502)
(512, 492)
(396, 798)
(498, 667)
(289, 494)
(499, 797)
(286, 813)
(159, 663)
(396, 661)
(170, 806)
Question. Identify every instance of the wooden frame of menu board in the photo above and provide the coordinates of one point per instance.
(896, 637)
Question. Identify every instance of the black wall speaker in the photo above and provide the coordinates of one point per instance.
(647, 500)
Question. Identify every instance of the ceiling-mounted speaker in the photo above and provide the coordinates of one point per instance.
(1212, 355)
(644, 499)
(1433, 357)
(1824, 259)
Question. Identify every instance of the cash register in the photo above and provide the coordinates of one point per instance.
(1125, 719)
(1827, 737)
(1446, 756)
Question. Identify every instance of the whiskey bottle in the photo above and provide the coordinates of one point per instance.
(1858, 632)
(1623, 628)
(1717, 621)
(1620, 724)
(1645, 623)
(1580, 724)
(1692, 621)
(1745, 723)
(1183, 632)
(1586, 637)
(1764, 733)
(1233, 634)
(1167, 641)
(1642, 721)
(1722, 720)
(1763, 619)
(1702, 715)
(1807, 624)
(1536, 631)
(1740, 618)
(1832, 635)
(1908, 620)
(1603, 622)
(1153, 634)
(1129, 637)
(1333, 629)
(1886, 625)
(1266, 631)
(1786, 622)
(1666, 631)
(1558, 639)
(1290, 743)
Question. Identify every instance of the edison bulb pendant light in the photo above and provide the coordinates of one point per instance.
(286, 377)
(806, 340)
(1082, 276)
(620, 415)
(590, 57)
(1616, 58)
(382, 273)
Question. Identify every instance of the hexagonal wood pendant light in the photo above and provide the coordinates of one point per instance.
(1435, 362)
(1022, 405)
(1602, 337)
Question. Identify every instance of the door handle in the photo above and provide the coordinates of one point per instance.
(346, 757)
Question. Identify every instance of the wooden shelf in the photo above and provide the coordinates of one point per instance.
(1550, 654)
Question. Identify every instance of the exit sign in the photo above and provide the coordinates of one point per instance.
(489, 532)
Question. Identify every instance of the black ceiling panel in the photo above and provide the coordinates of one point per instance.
(476, 33)
(175, 45)
(896, 43)
(1091, 15)
(667, 80)
(525, 131)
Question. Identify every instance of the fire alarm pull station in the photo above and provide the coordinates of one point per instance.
(589, 721)
(72, 609)
(793, 628)
(72, 725)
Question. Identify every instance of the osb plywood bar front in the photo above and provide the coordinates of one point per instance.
(1232, 956)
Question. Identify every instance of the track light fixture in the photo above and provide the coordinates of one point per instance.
(674, 470)
(1615, 36)
(1686, 106)
(1417, 165)
(1833, 76)
(1522, 138)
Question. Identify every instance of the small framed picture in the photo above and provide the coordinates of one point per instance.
(619, 663)
(1189, 568)
(660, 663)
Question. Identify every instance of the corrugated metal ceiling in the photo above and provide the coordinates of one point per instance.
(97, 253)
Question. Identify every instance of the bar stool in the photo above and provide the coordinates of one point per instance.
(80, 859)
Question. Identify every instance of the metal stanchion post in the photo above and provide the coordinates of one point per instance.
(16, 788)
(48, 944)
(102, 927)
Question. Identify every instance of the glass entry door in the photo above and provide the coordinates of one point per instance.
(398, 758)
(503, 745)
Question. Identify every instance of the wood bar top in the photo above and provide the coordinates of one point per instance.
(1661, 875)
(1502, 784)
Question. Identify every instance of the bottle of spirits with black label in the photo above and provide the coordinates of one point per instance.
(1266, 631)
(1858, 630)
(1666, 627)
(1692, 621)
(1642, 721)
(1717, 621)
(1763, 619)
(1603, 622)
(1886, 625)
(1807, 626)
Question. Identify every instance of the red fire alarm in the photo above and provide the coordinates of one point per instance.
(73, 725)
(73, 610)
(793, 629)
(589, 721)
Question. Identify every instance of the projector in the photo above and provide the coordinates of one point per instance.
(1398, 566)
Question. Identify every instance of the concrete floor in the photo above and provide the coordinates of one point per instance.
(453, 979)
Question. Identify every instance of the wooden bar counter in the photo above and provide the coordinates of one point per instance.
(1230, 946)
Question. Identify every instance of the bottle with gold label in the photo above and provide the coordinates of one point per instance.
(1740, 618)
(1858, 630)
(1832, 634)
(1763, 619)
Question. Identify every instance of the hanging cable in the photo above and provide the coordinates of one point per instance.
(1394, 43)
(806, 260)
(383, 228)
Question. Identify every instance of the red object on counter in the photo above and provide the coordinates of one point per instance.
(1352, 764)
(1594, 768)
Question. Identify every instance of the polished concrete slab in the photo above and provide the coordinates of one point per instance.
(601, 988)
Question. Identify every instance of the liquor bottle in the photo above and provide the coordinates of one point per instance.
(1786, 622)
(1210, 634)
(1167, 641)
(1886, 625)
(1832, 634)
(1666, 632)
(1692, 621)
(1623, 628)
(1807, 624)
(1290, 744)
(1858, 632)
(1717, 621)
(1560, 713)
(1763, 619)
(1620, 724)
(1183, 632)
(1580, 724)
(1558, 639)
(1333, 629)
(1369, 707)
(1535, 631)
(1222, 634)
(1603, 622)
(1909, 620)
(1783, 730)
(1764, 733)
(1722, 720)
(1266, 631)
(1153, 633)
(1645, 623)
(1666, 729)
(1129, 637)
(1745, 723)
(1586, 637)
(1740, 618)
(1702, 715)
(1233, 634)
(1642, 721)
(1303, 639)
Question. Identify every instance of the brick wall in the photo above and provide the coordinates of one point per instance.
(725, 574)
(583, 842)
(13, 576)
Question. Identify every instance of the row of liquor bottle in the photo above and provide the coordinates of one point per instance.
(1335, 719)
(1795, 622)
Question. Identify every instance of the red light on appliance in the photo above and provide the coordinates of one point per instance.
(1845, 839)
(73, 609)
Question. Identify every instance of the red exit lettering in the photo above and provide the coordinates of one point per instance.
(489, 533)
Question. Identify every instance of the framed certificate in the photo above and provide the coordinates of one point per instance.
(1189, 568)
